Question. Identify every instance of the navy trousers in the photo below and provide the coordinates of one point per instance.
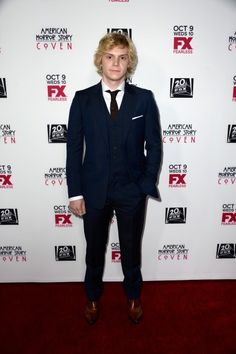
(129, 204)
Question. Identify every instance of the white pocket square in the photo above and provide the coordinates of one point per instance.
(137, 117)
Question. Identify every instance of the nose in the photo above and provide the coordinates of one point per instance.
(116, 61)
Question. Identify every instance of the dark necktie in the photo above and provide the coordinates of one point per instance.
(113, 105)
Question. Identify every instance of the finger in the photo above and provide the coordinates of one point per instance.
(74, 211)
(83, 210)
(81, 213)
(77, 211)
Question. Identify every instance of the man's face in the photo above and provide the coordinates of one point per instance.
(114, 65)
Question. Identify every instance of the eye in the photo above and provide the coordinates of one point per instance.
(124, 57)
(108, 56)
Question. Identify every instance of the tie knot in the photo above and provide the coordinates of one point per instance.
(113, 93)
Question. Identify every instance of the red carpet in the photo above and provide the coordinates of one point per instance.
(180, 318)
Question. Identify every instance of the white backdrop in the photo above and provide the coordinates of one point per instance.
(187, 56)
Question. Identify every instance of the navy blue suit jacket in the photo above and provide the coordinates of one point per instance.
(88, 153)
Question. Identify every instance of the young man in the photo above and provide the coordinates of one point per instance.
(110, 125)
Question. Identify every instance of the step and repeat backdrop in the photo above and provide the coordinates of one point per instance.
(187, 57)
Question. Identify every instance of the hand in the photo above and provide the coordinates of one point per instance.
(77, 207)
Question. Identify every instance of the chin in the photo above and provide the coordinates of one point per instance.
(116, 78)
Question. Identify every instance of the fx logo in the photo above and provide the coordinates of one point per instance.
(56, 91)
(116, 256)
(228, 218)
(5, 180)
(183, 43)
(63, 220)
(177, 179)
(234, 93)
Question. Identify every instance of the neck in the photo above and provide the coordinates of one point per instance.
(112, 84)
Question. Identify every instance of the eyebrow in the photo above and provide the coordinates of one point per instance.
(121, 55)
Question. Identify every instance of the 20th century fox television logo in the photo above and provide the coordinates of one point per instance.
(65, 253)
(57, 133)
(3, 88)
(226, 250)
(181, 87)
(126, 31)
(176, 215)
(9, 216)
(231, 134)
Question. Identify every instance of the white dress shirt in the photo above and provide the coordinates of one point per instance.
(107, 95)
(107, 98)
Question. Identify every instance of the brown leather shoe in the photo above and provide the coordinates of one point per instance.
(135, 311)
(91, 312)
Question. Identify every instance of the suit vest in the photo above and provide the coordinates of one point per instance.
(118, 169)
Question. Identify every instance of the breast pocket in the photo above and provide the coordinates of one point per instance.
(137, 125)
(137, 117)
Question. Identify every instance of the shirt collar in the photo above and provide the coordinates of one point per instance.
(121, 87)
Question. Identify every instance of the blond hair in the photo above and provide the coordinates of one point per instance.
(111, 40)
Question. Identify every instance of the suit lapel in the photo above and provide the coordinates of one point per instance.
(127, 108)
(101, 113)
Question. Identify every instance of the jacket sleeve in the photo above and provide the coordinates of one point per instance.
(153, 147)
(75, 146)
